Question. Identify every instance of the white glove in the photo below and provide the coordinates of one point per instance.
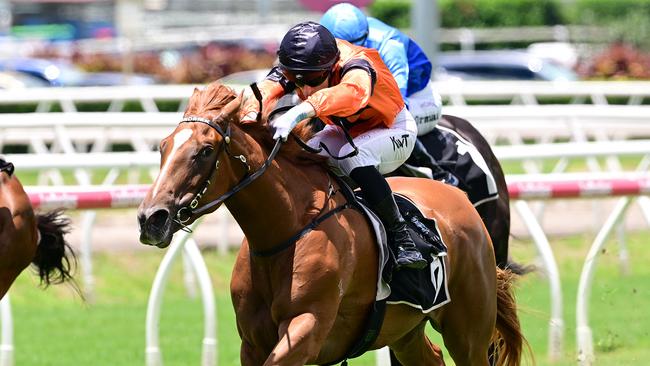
(286, 122)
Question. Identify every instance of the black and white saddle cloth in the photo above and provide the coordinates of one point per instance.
(6, 166)
(461, 158)
(424, 289)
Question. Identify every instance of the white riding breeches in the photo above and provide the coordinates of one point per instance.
(426, 108)
(384, 148)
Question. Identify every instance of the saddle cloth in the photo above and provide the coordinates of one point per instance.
(424, 289)
(461, 158)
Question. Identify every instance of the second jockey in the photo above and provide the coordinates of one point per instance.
(407, 62)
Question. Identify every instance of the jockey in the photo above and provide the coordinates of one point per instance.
(406, 61)
(339, 81)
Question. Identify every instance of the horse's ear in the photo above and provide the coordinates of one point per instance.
(194, 99)
(195, 93)
(231, 109)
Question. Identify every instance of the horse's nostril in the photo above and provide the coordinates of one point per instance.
(158, 219)
(155, 227)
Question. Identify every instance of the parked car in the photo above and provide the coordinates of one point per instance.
(17, 80)
(61, 73)
(499, 65)
(475, 65)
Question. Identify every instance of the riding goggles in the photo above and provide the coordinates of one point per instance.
(309, 78)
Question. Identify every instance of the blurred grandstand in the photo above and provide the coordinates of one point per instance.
(180, 41)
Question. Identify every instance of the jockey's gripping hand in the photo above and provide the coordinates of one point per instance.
(286, 122)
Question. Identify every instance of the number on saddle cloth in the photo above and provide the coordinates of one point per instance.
(6, 166)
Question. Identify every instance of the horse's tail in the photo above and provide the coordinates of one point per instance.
(508, 340)
(54, 257)
(518, 268)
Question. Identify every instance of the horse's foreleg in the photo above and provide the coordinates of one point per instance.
(300, 341)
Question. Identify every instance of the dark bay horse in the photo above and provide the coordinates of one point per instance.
(27, 237)
(495, 213)
(305, 277)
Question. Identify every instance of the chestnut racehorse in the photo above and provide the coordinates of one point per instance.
(305, 278)
(27, 237)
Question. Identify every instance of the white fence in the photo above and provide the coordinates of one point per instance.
(83, 131)
(455, 92)
(522, 189)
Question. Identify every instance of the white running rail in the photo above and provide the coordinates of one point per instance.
(521, 188)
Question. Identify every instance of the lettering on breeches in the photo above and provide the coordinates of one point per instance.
(399, 143)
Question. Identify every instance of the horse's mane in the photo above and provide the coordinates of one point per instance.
(209, 101)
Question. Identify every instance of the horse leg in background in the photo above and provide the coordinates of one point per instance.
(499, 229)
(415, 348)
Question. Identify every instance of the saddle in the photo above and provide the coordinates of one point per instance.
(424, 289)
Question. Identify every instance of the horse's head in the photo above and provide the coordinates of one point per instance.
(192, 157)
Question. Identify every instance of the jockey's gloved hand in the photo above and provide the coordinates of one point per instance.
(286, 122)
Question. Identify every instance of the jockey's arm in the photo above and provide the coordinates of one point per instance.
(269, 88)
(346, 98)
(394, 55)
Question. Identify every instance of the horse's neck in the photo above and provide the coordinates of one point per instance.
(279, 203)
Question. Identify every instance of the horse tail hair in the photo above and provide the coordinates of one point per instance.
(508, 341)
(54, 259)
(520, 269)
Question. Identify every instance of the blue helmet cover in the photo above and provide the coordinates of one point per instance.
(347, 22)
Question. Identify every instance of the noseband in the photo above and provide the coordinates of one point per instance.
(185, 213)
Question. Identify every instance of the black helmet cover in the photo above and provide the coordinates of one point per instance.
(308, 47)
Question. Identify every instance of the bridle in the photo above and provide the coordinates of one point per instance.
(185, 213)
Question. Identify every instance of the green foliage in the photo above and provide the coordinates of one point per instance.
(499, 13)
(600, 12)
(474, 13)
(394, 12)
(627, 20)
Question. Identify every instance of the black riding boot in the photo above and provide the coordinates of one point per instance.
(407, 254)
(380, 198)
(420, 157)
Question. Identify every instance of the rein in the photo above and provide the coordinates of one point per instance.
(185, 213)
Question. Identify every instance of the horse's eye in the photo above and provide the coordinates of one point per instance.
(206, 152)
